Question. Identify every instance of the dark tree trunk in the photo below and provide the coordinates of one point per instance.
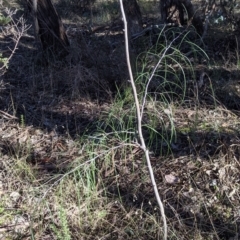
(172, 11)
(133, 15)
(193, 16)
(134, 24)
(49, 28)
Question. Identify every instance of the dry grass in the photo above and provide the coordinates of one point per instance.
(69, 165)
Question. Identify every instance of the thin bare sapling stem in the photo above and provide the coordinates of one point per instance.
(139, 123)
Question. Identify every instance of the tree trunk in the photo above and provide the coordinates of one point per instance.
(193, 16)
(134, 24)
(133, 15)
(172, 11)
(49, 28)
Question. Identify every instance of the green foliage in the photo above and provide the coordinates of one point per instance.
(4, 20)
(165, 72)
(169, 65)
(64, 232)
(102, 189)
(22, 121)
(3, 61)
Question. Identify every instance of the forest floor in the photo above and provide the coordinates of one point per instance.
(70, 167)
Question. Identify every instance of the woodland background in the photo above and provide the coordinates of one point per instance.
(70, 165)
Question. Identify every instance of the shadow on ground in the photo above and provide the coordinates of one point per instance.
(57, 103)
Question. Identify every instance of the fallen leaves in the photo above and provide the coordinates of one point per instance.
(171, 179)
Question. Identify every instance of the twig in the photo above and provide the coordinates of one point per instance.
(17, 36)
(7, 115)
(139, 121)
(207, 22)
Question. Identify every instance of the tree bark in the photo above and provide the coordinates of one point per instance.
(49, 28)
(193, 16)
(134, 25)
(133, 15)
(172, 11)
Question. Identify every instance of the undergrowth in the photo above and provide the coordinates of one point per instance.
(70, 163)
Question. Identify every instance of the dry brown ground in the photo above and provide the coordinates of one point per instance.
(57, 117)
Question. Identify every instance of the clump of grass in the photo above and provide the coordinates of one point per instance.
(169, 64)
(165, 75)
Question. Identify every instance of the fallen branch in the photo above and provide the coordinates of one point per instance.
(7, 115)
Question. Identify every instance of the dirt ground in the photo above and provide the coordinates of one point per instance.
(56, 115)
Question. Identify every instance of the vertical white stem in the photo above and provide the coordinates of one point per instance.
(139, 121)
